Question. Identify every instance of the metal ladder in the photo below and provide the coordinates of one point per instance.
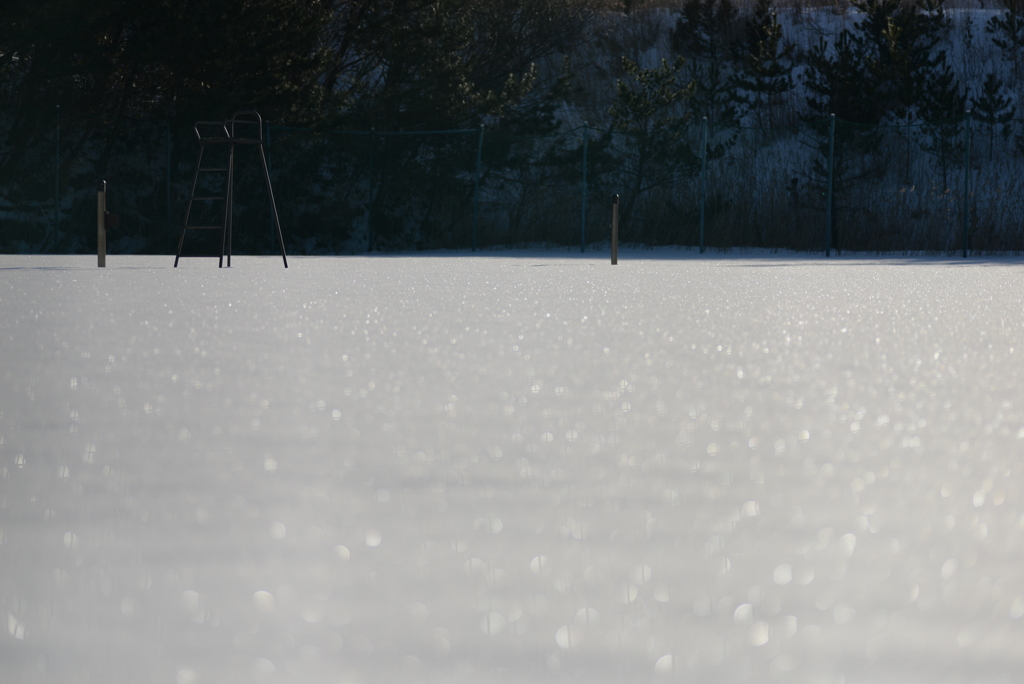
(227, 133)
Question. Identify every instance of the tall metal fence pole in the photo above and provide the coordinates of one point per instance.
(703, 175)
(831, 166)
(369, 215)
(476, 183)
(56, 176)
(906, 173)
(967, 178)
(583, 204)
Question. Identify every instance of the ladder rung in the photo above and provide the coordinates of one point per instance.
(208, 198)
(204, 227)
(212, 169)
(199, 256)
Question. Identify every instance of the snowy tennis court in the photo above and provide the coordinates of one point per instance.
(511, 467)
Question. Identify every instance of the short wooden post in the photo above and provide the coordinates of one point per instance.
(101, 225)
(615, 229)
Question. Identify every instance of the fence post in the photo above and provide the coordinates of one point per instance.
(703, 175)
(56, 177)
(101, 225)
(967, 177)
(615, 229)
(369, 216)
(906, 173)
(831, 164)
(583, 208)
(476, 182)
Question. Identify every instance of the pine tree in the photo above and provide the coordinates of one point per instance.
(715, 96)
(943, 107)
(649, 99)
(109, 60)
(767, 73)
(911, 78)
(944, 96)
(439, 65)
(537, 113)
(650, 110)
(1008, 32)
(898, 40)
(838, 80)
(706, 30)
(993, 108)
(151, 58)
(708, 34)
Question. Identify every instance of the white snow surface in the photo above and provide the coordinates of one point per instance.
(511, 467)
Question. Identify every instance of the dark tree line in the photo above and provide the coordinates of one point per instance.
(397, 64)
(82, 66)
(520, 67)
(442, 64)
(446, 64)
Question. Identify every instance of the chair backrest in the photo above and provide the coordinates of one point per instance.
(242, 125)
(207, 131)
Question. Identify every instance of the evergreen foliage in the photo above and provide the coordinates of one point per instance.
(649, 99)
(767, 72)
(943, 109)
(508, 66)
(650, 109)
(158, 58)
(911, 78)
(707, 30)
(709, 34)
(715, 96)
(443, 64)
(1008, 31)
(182, 60)
(395, 64)
(836, 79)
(993, 108)
(628, 6)
(898, 41)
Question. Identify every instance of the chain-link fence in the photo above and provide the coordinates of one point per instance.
(822, 186)
(49, 176)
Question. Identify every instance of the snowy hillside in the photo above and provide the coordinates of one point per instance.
(514, 467)
(645, 36)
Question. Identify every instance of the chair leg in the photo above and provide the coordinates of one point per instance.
(226, 226)
(273, 205)
(188, 209)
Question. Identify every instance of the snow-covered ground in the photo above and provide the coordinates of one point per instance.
(511, 467)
